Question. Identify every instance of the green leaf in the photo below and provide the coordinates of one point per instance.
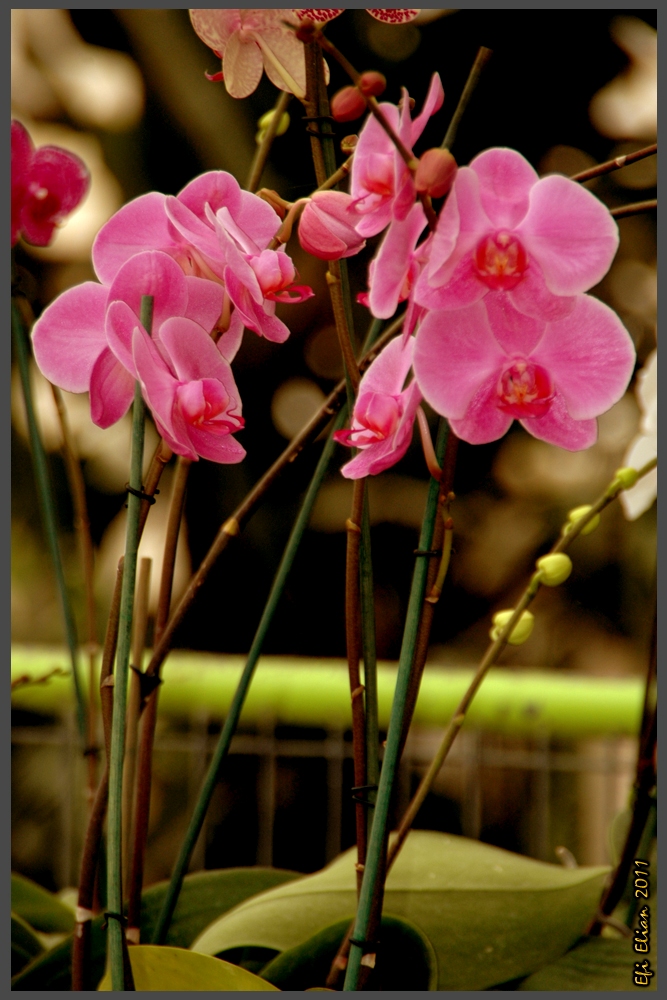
(594, 964)
(158, 967)
(204, 896)
(25, 943)
(406, 960)
(41, 909)
(491, 916)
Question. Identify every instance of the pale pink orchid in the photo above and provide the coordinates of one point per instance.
(251, 41)
(482, 367)
(47, 184)
(327, 226)
(390, 15)
(190, 389)
(384, 413)
(503, 230)
(381, 186)
(82, 342)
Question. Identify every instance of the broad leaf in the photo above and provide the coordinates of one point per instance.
(156, 967)
(406, 960)
(204, 896)
(599, 964)
(491, 916)
(25, 943)
(41, 909)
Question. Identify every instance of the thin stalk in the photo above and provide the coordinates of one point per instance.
(372, 736)
(116, 937)
(481, 59)
(134, 707)
(354, 650)
(231, 721)
(637, 208)
(568, 535)
(264, 148)
(77, 488)
(615, 164)
(370, 900)
(149, 718)
(47, 505)
(81, 972)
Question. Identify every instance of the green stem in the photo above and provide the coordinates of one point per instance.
(370, 660)
(264, 148)
(47, 505)
(370, 886)
(116, 936)
(231, 721)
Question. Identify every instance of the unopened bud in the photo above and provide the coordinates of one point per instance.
(576, 515)
(347, 105)
(266, 120)
(521, 630)
(372, 83)
(435, 173)
(554, 568)
(627, 477)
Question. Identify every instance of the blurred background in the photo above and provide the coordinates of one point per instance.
(126, 90)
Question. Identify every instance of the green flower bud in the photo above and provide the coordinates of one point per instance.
(554, 568)
(521, 630)
(627, 477)
(577, 514)
(266, 120)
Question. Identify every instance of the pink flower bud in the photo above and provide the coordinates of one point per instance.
(347, 105)
(372, 83)
(435, 173)
(326, 229)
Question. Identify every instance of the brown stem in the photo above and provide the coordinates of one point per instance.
(353, 644)
(623, 211)
(149, 717)
(264, 148)
(81, 972)
(342, 329)
(615, 164)
(161, 457)
(82, 527)
(139, 628)
(338, 175)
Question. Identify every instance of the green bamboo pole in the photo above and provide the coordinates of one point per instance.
(116, 934)
(378, 834)
(233, 715)
(47, 505)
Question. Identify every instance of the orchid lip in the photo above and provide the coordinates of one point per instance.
(524, 390)
(501, 261)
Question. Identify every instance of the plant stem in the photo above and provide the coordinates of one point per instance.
(637, 208)
(615, 164)
(47, 505)
(493, 652)
(370, 900)
(116, 937)
(81, 973)
(481, 59)
(233, 715)
(149, 718)
(372, 736)
(353, 647)
(264, 148)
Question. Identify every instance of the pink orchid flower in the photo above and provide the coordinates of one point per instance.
(47, 184)
(190, 389)
(326, 226)
(482, 369)
(390, 15)
(83, 341)
(384, 413)
(503, 230)
(381, 184)
(251, 40)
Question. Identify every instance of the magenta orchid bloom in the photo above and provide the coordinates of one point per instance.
(327, 226)
(47, 184)
(384, 413)
(394, 269)
(390, 15)
(83, 341)
(503, 230)
(250, 41)
(190, 389)
(482, 369)
(381, 184)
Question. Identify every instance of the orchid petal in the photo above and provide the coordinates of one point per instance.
(516, 333)
(121, 322)
(242, 66)
(393, 261)
(255, 316)
(394, 15)
(434, 101)
(195, 356)
(159, 390)
(225, 449)
(505, 179)
(559, 427)
(205, 300)
(140, 225)
(389, 370)
(111, 390)
(483, 421)
(69, 337)
(216, 188)
(156, 274)
(230, 341)
(532, 297)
